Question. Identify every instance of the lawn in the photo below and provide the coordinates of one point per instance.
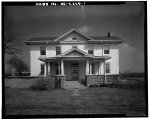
(84, 101)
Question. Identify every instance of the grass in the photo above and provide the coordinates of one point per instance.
(86, 101)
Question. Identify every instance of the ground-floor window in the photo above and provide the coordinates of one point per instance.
(42, 69)
(107, 67)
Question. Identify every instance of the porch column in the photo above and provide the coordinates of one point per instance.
(99, 67)
(62, 67)
(105, 71)
(87, 66)
(49, 68)
(45, 69)
(90, 67)
(59, 68)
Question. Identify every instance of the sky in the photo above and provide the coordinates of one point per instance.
(125, 21)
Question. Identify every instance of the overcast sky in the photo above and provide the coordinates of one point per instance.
(125, 21)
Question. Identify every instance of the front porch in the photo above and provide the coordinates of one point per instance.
(73, 71)
(76, 65)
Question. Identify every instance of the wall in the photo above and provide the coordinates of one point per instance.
(35, 63)
(114, 61)
(51, 52)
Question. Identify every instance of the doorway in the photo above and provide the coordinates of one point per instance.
(75, 71)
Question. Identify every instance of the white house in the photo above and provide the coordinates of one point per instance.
(76, 57)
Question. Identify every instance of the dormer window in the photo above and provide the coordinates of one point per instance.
(74, 39)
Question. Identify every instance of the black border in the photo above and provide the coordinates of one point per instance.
(81, 115)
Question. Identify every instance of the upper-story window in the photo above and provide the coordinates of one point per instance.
(43, 50)
(107, 65)
(90, 52)
(58, 50)
(74, 39)
(106, 50)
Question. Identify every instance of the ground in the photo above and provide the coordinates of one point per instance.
(100, 100)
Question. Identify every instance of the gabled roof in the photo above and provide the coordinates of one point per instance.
(75, 49)
(43, 39)
(90, 39)
(73, 30)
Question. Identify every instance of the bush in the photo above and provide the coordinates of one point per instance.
(40, 85)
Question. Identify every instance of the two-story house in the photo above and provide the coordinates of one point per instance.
(74, 56)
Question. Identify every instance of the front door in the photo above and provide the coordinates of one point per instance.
(75, 71)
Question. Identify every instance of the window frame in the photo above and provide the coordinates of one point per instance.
(90, 51)
(107, 64)
(107, 50)
(43, 50)
(58, 52)
(42, 69)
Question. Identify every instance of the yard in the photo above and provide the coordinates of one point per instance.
(101, 100)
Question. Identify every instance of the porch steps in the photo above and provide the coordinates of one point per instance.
(73, 84)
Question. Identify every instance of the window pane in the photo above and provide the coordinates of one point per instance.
(90, 52)
(58, 50)
(43, 50)
(42, 69)
(107, 68)
(106, 51)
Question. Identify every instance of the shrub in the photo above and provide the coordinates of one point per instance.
(40, 85)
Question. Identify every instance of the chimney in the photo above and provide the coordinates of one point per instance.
(108, 34)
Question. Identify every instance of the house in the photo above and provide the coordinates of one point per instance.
(74, 56)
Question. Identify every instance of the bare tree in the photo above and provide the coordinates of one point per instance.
(17, 65)
(11, 42)
(12, 39)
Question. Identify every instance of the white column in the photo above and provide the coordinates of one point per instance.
(99, 67)
(90, 67)
(62, 67)
(45, 69)
(105, 72)
(58, 68)
(87, 66)
(102, 67)
(49, 68)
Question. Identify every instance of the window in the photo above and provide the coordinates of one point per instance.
(74, 46)
(107, 65)
(74, 38)
(106, 50)
(43, 50)
(58, 50)
(90, 52)
(42, 69)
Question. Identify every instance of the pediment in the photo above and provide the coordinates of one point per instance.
(73, 36)
(75, 54)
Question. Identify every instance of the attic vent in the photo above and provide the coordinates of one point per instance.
(74, 38)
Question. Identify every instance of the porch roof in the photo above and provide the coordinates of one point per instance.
(44, 58)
